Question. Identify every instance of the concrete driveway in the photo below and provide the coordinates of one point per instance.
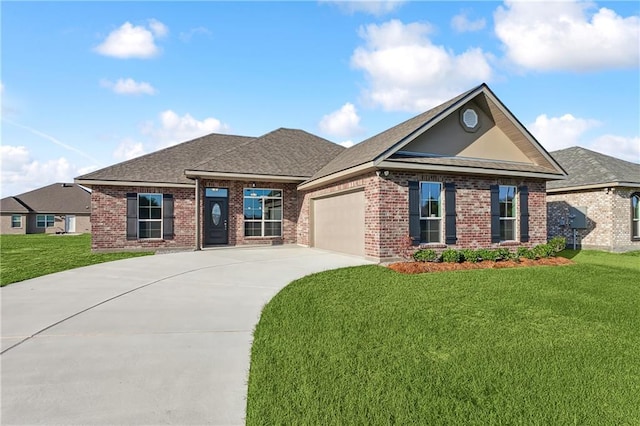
(161, 339)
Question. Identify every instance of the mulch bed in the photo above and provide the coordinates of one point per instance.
(421, 267)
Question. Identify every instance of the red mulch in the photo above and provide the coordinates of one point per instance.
(420, 267)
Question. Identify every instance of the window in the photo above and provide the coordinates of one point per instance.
(430, 212)
(262, 212)
(16, 221)
(44, 220)
(149, 216)
(635, 216)
(506, 197)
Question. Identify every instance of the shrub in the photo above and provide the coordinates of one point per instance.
(470, 255)
(558, 243)
(451, 256)
(425, 255)
(525, 252)
(487, 254)
(503, 254)
(544, 250)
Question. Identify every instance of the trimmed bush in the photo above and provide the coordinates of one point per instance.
(487, 254)
(425, 255)
(544, 250)
(451, 256)
(470, 255)
(558, 243)
(503, 254)
(526, 253)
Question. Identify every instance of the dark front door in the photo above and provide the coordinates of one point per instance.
(216, 217)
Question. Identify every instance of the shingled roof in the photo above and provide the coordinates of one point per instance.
(589, 168)
(57, 198)
(167, 165)
(283, 152)
(12, 205)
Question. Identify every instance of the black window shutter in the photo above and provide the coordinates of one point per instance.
(132, 216)
(524, 214)
(167, 216)
(495, 213)
(450, 217)
(414, 212)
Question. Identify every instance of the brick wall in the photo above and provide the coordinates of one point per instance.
(109, 218)
(608, 218)
(387, 207)
(236, 210)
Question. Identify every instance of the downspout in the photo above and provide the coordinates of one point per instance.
(198, 246)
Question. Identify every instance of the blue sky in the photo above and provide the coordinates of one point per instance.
(89, 84)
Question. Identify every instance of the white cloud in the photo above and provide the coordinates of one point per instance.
(186, 37)
(407, 72)
(129, 86)
(131, 41)
(565, 35)
(618, 146)
(159, 29)
(128, 149)
(344, 122)
(461, 23)
(21, 173)
(174, 129)
(376, 8)
(560, 132)
(347, 144)
(556, 133)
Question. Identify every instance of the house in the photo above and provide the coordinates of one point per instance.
(463, 174)
(56, 208)
(598, 205)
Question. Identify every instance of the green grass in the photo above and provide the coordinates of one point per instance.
(29, 256)
(365, 345)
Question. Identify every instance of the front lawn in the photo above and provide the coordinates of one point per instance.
(366, 345)
(29, 256)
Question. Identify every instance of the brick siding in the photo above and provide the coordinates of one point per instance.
(387, 210)
(608, 218)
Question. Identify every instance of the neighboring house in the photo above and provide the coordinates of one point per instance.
(56, 208)
(603, 193)
(464, 174)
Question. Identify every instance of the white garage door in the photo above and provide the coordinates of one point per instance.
(338, 223)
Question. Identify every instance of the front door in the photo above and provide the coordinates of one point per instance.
(70, 223)
(216, 217)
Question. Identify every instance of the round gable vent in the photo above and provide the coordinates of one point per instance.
(470, 120)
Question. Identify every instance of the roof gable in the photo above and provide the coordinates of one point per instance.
(510, 136)
(589, 168)
(57, 198)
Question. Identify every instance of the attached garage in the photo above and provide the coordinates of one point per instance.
(338, 223)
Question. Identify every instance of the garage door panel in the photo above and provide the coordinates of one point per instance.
(338, 223)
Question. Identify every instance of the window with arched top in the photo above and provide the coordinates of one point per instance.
(635, 216)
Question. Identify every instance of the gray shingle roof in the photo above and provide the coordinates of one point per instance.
(57, 198)
(586, 167)
(168, 165)
(12, 205)
(283, 152)
(369, 149)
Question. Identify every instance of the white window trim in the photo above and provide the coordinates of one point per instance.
(439, 217)
(18, 216)
(513, 219)
(150, 220)
(262, 220)
(53, 223)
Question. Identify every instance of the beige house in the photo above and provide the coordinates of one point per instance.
(54, 209)
(598, 205)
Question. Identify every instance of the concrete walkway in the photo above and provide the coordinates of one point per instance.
(161, 339)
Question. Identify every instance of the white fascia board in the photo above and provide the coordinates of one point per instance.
(466, 170)
(89, 182)
(244, 176)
